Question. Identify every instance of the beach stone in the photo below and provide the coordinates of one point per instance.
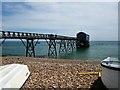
(57, 73)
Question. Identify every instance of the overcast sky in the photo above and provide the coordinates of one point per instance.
(98, 19)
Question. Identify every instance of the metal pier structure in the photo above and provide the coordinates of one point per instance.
(67, 44)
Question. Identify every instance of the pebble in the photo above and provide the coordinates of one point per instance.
(56, 73)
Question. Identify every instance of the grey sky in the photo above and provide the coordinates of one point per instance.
(98, 19)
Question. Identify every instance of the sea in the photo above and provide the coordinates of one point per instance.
(98, 50)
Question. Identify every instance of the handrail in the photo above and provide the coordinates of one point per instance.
(26, 35)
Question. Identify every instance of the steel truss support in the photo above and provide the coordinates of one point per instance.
(2, 42)
(69, 46)
(52, 48)
(62, 48)
(30, 47)
(74, 44)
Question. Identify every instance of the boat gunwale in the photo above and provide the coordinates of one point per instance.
(110, 67)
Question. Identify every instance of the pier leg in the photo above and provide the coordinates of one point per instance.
(30, 48)
(62, 48)
(2, 42)
(52, 48)
(69, 46)
(74, 44)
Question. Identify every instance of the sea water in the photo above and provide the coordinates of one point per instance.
(98, 50)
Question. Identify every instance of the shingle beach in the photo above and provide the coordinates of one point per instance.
(48, 73)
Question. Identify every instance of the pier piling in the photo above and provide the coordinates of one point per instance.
(67, 44)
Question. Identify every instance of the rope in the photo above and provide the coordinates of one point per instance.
(90, 73)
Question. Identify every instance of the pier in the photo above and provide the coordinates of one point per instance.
(67, 43)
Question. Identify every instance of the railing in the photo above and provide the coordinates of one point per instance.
(24, 35)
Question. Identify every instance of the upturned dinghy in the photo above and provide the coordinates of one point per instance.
(13, 76)
(111, 73)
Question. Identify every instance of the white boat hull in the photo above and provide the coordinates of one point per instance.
(13, 76)
(110, 75)
(110, 78)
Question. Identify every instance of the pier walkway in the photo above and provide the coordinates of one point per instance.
(67, 43)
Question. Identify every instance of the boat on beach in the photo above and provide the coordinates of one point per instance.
(13, 76)
(111, 73)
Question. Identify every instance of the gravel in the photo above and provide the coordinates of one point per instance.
(58, 74)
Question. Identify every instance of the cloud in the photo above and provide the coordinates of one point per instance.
(13, 0)
(60, 0)
(62, 17)
(13, 8)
